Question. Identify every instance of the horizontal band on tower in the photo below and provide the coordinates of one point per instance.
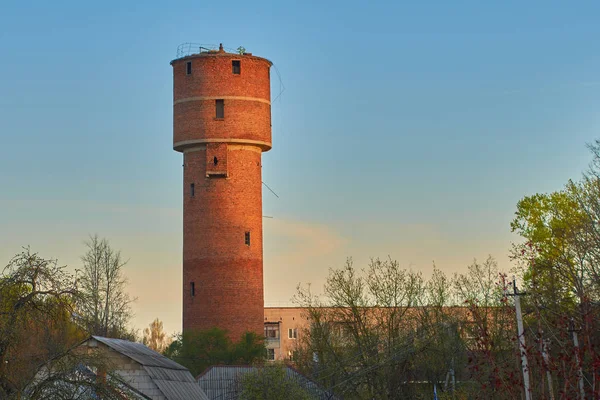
(229, 147)
(200, 98)
(185, 143)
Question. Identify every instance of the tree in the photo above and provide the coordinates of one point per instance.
(489, 331)
(376, 332)
(271, 383)
(104, 304)
(199, 350)
(155, 338)
(559, 260)
(38, 331)
(445, 359)
(33, 292)
(554, 228)
(367, 333)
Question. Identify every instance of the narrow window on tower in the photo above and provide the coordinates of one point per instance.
(220, 105)
(192, 289)
(236, 66)
(247, 239)
(188, 68)
(192, 190)
(215, 161)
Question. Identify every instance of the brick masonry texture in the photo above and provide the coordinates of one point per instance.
(244, 119)
(212, 77)
(227, 273)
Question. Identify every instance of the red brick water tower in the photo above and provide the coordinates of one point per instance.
(222, 124)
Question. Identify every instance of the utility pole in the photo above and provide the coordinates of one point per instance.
(521, 336)
(453, 380)
(546, 359)
(579, 371)
(451, 377)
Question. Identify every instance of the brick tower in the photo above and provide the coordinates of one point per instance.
(222, 124)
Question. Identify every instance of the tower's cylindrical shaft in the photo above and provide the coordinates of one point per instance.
(222, 124)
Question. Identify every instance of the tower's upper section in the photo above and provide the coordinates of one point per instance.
(221, 97)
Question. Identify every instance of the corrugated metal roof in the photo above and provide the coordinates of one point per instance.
(180, 390)
(140, 353)
(169, 374)
(222, 382)
(174, 380)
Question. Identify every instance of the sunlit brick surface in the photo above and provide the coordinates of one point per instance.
(222, 159)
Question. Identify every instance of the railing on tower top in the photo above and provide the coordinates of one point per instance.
(186, 49)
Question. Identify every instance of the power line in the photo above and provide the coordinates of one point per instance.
(271, 190)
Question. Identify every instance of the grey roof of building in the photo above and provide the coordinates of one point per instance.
(174, 380)
(222, 382)
(140, 353)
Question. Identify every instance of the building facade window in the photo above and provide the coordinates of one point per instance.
(236, 66)
(220, 108)
(271, 354)
(272, 331)
(192, 190)
(293, 333)
(192, 289)
(247, 238)
(188, 68)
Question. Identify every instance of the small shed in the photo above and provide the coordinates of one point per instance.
(147, 371)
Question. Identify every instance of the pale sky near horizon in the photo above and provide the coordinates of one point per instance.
(408, 129)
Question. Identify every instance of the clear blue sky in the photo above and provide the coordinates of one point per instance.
(405, 128)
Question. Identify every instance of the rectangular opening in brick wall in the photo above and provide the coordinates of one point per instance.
(271, 330)
(188, 68)
(247, 238)
(216, 160)
(220, 108)
(192, 190)
(192, 289)
(236, 66)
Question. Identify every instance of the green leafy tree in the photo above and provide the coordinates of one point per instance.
(199, 350)
(559, 262)
(38, 330)
(555, 255)
(33, 292)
